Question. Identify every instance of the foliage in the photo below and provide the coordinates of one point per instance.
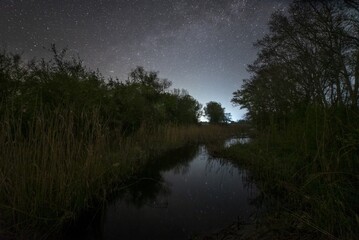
(214, 112)
(310, 56)
(303, 96)
(65, 83)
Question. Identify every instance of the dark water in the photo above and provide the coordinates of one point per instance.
(183, 194)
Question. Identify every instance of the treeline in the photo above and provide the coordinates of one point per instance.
(303, 96)
(63, 83)
(309, 57)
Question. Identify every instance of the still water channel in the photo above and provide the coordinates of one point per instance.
(184, 194)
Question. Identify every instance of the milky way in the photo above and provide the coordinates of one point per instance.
(202, 46)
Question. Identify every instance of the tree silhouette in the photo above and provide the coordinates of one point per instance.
(65, 83)
(309, 57)
(214, 112)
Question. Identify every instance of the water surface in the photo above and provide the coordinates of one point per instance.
(183, 194)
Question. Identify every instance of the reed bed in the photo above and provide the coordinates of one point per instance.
(54, 165)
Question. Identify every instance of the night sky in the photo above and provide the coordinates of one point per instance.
(202, 46)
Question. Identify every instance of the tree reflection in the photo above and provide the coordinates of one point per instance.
(149, 188)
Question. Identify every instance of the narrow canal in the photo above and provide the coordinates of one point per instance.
(184, 194)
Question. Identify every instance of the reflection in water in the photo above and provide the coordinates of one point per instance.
(181, 195)
(232, 141)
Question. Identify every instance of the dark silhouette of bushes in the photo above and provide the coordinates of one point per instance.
(303, 96)
(63, 83)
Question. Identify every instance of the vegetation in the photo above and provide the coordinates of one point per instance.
(215, 113)
(68, 138)
(63, 83)
(302, 96)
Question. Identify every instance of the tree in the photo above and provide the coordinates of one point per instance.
(149, 79)
(228, 117)
(65, 83)
(184, 109)
(214, 112)
(309, 57)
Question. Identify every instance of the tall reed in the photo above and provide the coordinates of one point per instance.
(309, 170)
(53, 165)
(48, 166)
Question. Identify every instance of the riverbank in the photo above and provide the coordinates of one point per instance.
(303, 200)
(52, 174)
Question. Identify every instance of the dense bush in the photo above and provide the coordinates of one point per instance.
(143, 99)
